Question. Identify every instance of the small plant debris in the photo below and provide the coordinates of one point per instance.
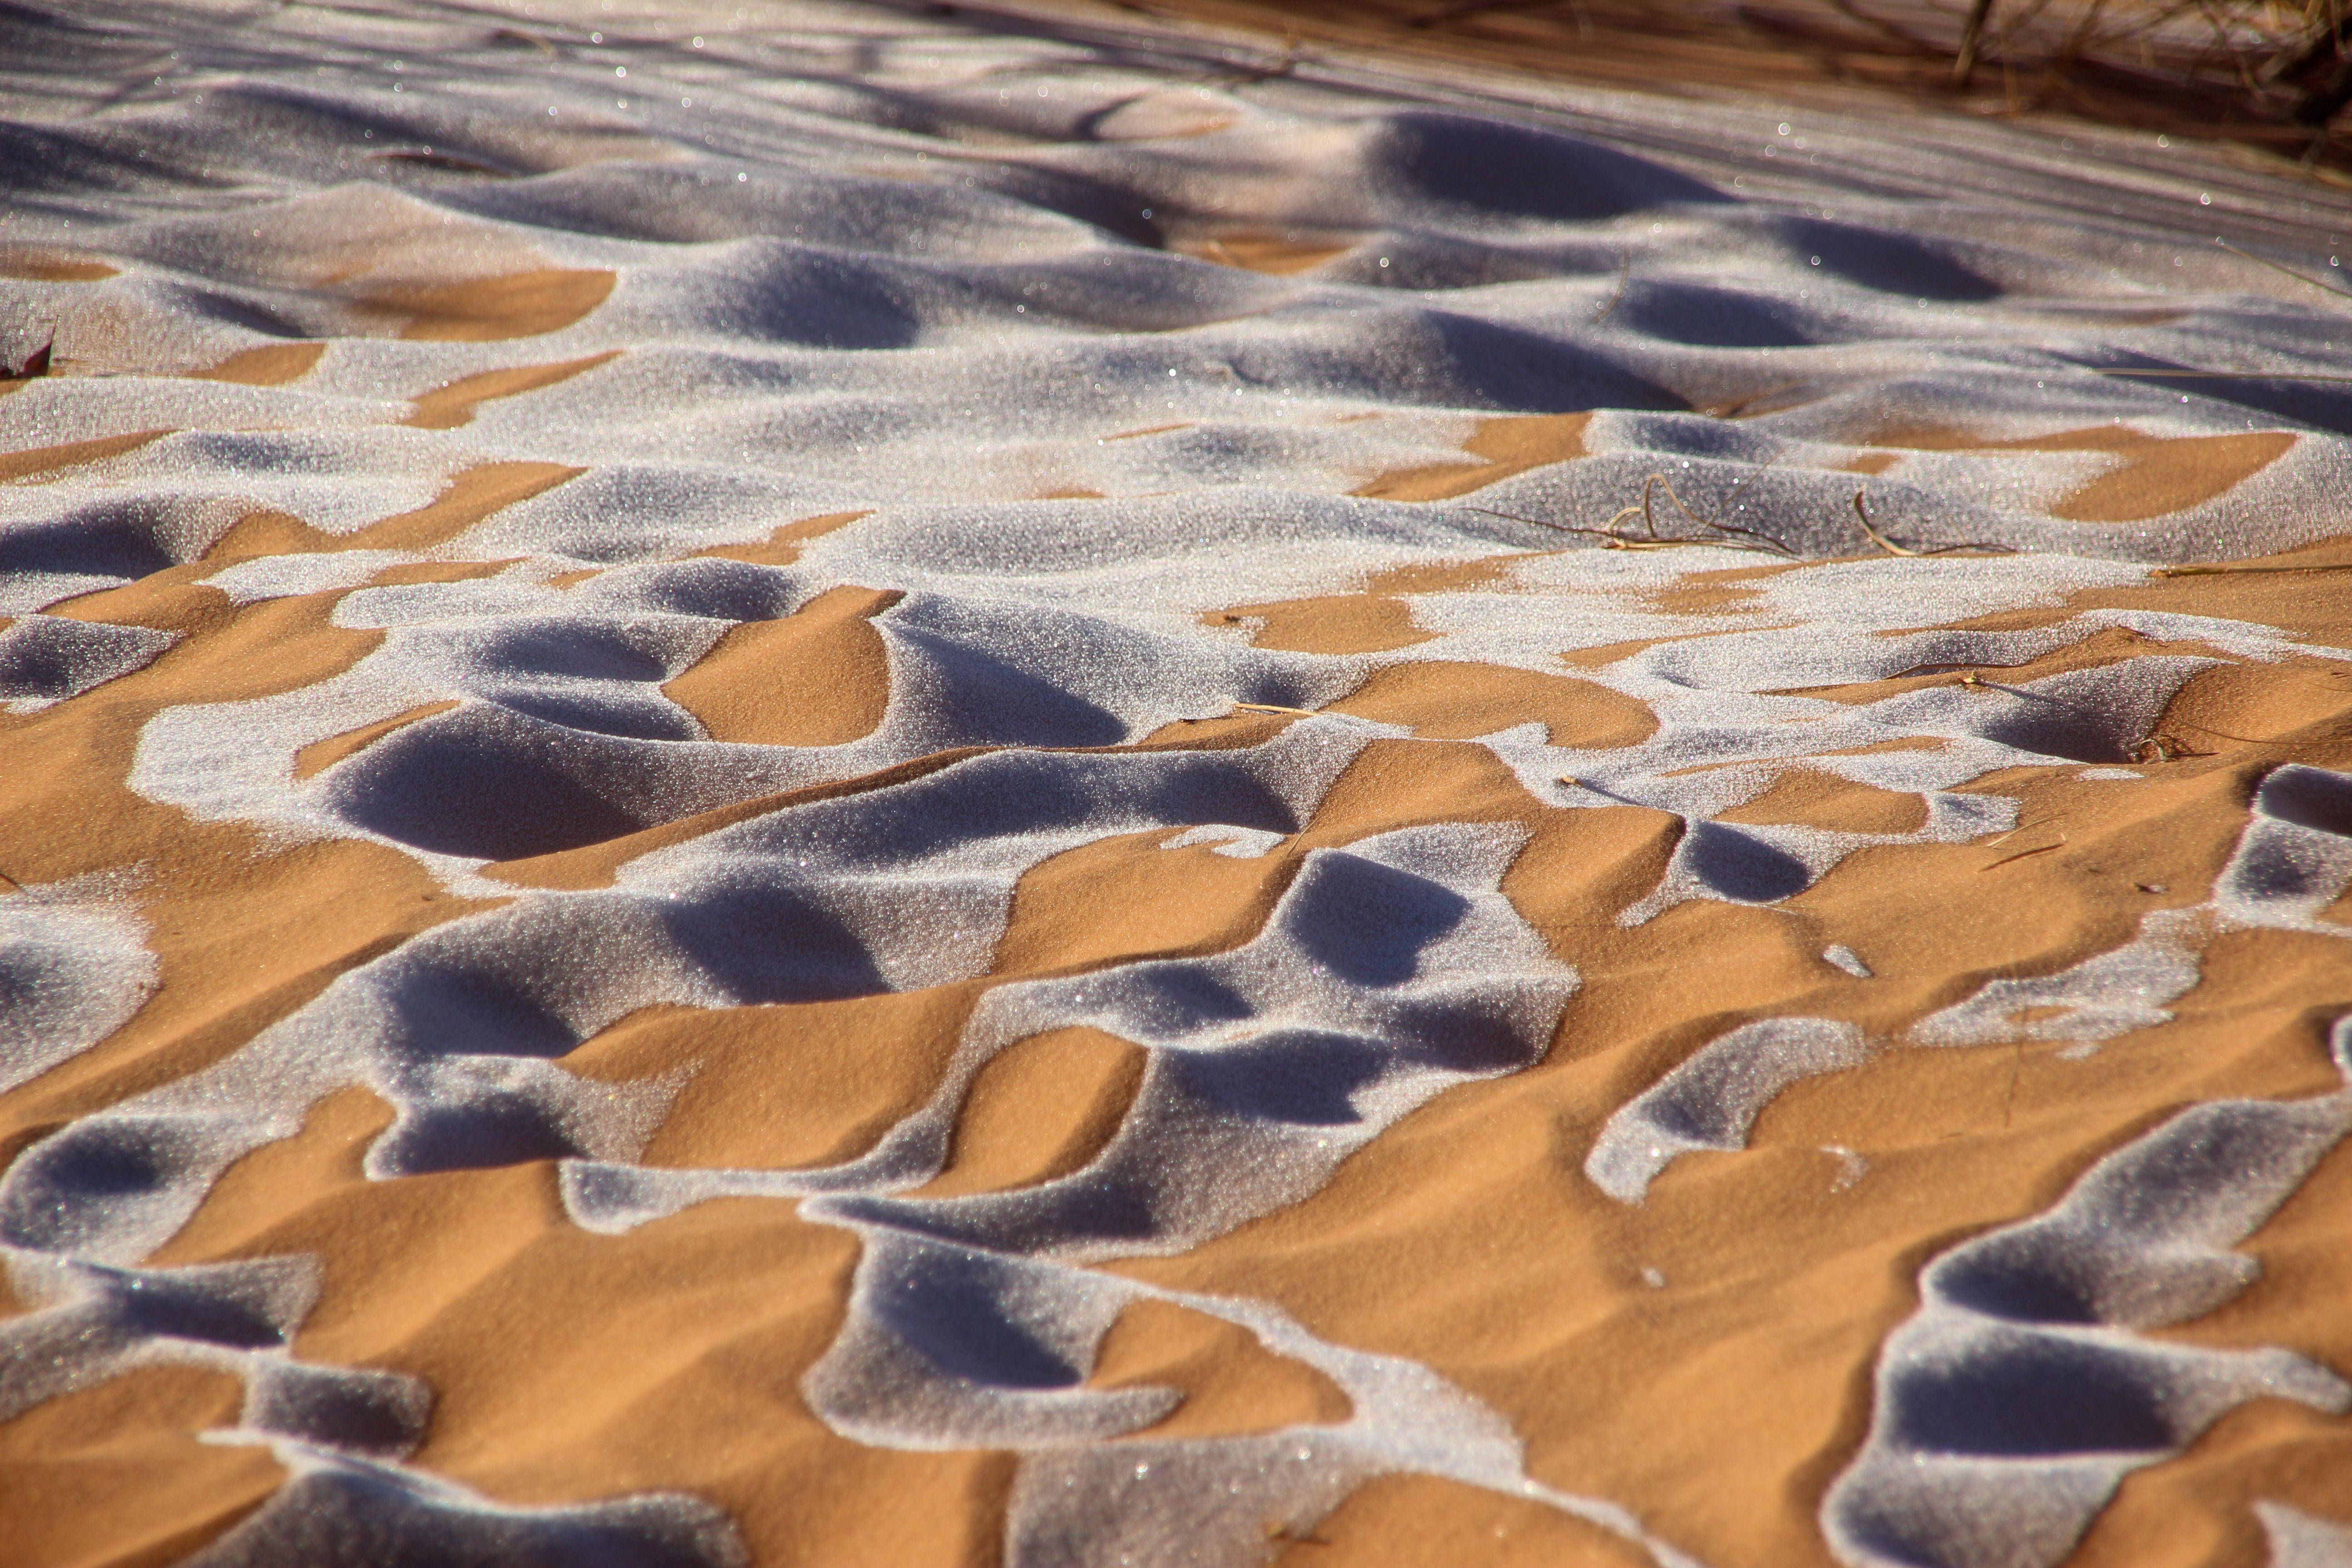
(32, 364)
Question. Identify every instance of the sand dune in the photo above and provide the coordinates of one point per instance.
(845, 786)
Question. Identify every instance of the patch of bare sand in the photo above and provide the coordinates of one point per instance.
(1813, 798)
(271, 364)
(115, 1475)
(243, 932)
(319, 755)
(1505, 445)
(1336, 623)
(1449, 700)
(491, 310)
(1374, 620)
(783, 547)
(818, 677)
(471, 496)
(1282, 255)
(453, 403)
(2112, 645)
(45, 266)
(567, 1365)
(2302, 592)
(1077, 910)
(1041, 1109)
(786, 1085)
(2155, 476)
(1231, 1383)
(35, 462)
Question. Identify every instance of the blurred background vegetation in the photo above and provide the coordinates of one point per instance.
(2273, 77)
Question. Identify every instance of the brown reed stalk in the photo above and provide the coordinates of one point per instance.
(1965, 64)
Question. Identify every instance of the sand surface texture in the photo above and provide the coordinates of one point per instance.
(830, 784)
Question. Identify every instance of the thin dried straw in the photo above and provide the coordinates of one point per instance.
(1730, 535)
(2304, 277)
(1617, 295)
(1888, 545)
(2235, 571)
(2211, 374)
(1965, 64)
(2025, 853)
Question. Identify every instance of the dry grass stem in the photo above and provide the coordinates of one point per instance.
(2304, 277)
(2235, 571)
(2025, 854)
(1880, 540)
(2165, 749)
(1289, 1534)
(1972, 547)
(1964, 65)
(2211, 374)
(1608, 306)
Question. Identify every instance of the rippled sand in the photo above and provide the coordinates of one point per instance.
(837, 785)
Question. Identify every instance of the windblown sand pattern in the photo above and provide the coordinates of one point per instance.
(818, 784)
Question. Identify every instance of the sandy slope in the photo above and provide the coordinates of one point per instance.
(849, 786)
